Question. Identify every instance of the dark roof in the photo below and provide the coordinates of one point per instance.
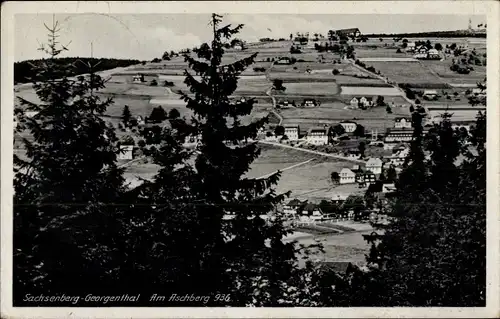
(347, 30)
(338, 266)
(369, 98)
(310, 207)
(399, 119)
(295, 202)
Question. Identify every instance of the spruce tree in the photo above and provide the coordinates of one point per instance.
(126, 115)
(433, 252)
(66, 189)
(243, 257)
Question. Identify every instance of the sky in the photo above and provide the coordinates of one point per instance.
(146, 36)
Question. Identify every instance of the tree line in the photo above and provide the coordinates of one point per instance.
(25, 71)
(79, 229)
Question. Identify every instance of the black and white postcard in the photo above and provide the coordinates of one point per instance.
(250, 159)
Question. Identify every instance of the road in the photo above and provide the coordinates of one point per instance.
(403, 93)
(269, 93)
(342, 158)
(286, 168)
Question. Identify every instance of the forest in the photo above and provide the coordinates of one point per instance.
(25, 71)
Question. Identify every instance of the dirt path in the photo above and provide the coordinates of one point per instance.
(286, 168)
(314, 152)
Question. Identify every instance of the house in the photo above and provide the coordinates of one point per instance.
(398, 135)
(374, 165)
(422, 49)
(349, 126)
(126, 152)
(317, 136)
(284, 60)
(339, 198)
(351, 32)
(402, 122)
(292, 132)
(138, 78)
(355, 102)
(347, 176)
(366, 101)
(284, 104)
(313, 211)
(369, 101)
(191, 140)
(410, 46)
(478, 92)
(310, 103)
(433, 52)
(398, 157)
(140, 120)
(430, 94)
(294, 207)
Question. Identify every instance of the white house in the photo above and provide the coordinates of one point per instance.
(433, 52)
(430, 93)
(138, 78)
(284, 60)
(398, 135)
(355, 101)
(410, 47)
(402, 122)
(292, 132)
(349, 126)
(374, 165)
(317, 136)
(347, 176)
(140, 120)
(293, 206)
(125, 152)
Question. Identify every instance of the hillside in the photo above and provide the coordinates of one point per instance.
(24, 71)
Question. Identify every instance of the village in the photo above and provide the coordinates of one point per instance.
(339, 107)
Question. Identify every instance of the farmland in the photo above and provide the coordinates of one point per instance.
(306, 175)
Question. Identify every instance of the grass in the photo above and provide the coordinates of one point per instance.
(314, 88)
(443, 70)
(404, 72)
(311, 180)
(370, 91)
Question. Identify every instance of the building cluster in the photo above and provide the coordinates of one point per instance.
(423, 52)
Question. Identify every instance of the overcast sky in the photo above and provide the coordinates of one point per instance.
(146, 36)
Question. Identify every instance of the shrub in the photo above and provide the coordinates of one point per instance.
(335, 72)
(399, 51)
(371, 69)
(154, 82)
(168, 83)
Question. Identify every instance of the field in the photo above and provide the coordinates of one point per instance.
(369, 91)
(405, 72)
(313, 88)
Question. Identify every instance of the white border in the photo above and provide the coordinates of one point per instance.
(489, 8)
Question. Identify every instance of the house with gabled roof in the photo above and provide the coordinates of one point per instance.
(402, 122)
(294, 206)
(317, 136)
(349, 126)
(374, 165)
(347, 176)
